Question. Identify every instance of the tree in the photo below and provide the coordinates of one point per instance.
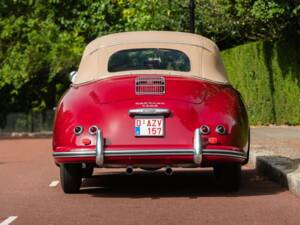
(41, 41)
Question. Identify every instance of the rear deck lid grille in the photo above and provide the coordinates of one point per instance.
(150, 85)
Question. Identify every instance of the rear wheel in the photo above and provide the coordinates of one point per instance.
(228, 176)
(70, 177)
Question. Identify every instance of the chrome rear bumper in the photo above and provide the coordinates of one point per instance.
(197, 152)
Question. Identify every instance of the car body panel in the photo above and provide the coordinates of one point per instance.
(192, 103)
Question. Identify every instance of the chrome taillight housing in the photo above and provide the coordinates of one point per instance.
(78, 130)
(204, 129)
(93, 130)
(220, 129)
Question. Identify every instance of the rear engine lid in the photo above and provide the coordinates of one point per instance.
(151, 88)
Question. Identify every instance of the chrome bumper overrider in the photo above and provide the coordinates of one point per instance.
(99, 148)
(197, 152)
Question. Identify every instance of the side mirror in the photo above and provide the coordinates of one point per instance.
(72, 76)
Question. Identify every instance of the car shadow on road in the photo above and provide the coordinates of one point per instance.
(191, 184)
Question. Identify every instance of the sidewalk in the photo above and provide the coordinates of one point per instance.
(275, 152)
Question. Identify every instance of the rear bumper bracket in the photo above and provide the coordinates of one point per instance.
(197, 147)
(99, 148)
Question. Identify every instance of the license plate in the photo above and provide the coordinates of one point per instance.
(149, 126)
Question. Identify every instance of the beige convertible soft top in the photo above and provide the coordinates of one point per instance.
(203, 54)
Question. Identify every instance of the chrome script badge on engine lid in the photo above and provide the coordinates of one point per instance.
(149, 126)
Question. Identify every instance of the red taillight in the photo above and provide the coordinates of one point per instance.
(86, 141)
(213, 140)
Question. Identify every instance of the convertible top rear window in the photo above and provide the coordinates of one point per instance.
(149, 59)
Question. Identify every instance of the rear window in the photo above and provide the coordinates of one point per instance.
(149, 59)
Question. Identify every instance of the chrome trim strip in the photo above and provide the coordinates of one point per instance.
(220, 152)
(150, 154)
(229, 155)
(149, 151)
(149, 111)
(158, 152)
(159, 166)
(99, 148)
(121, 152)
(197, 147)
(77, 150)
(75, 154)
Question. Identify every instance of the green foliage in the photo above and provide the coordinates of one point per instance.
(41, 41)
(267, 10)
(153, 15)
(235, 22)
(268, 76)
(35, 55)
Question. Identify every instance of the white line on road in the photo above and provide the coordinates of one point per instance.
(53, 184)
(8, 220)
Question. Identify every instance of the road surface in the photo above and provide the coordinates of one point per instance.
(30, 194)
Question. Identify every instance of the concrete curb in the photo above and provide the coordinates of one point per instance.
(282, 170)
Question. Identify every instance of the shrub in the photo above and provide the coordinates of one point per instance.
(268, 76)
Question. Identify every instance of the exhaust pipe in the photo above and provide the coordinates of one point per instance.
(129, 170)
(169, 171)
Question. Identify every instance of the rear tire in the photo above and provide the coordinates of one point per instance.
(228, 176)
(70, 177)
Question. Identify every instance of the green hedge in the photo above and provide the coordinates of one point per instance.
(268, 76)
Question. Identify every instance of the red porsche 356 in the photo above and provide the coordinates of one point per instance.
(150, 100)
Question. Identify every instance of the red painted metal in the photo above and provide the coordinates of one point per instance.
(193, 102)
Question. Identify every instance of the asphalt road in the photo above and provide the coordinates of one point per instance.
(112, 197)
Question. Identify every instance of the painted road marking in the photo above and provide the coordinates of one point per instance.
(8, 220)
(53, 184)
